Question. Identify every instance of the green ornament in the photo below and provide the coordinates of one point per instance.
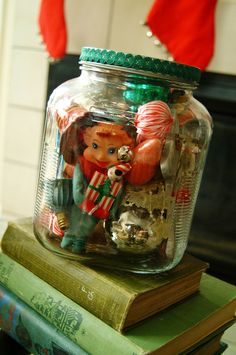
(140, 94)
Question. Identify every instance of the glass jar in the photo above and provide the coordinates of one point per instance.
(124, 149)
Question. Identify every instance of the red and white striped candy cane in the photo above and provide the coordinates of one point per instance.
(153, 120)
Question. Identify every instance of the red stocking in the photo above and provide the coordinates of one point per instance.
(186, 28)
(52, 27)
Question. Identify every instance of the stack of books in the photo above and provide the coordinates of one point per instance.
(53, 305)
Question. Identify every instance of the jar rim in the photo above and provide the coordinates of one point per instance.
(141, 64)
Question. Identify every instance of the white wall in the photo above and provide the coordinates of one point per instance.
(102, 23)
(224, 60)
(6, 26)
(23, 107)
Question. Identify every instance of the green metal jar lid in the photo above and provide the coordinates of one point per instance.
(139, 62)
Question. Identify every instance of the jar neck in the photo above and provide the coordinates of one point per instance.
(126, 90)
(101, 71)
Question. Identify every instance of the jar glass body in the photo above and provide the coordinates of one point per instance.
(122, 160)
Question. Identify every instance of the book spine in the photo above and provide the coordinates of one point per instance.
(80, 326)
(30, 330)
(105, 300)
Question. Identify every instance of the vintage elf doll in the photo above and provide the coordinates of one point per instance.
(95, 195)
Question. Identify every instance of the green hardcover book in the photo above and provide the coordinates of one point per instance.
(171, 331)
(119, 299)
(211, 344)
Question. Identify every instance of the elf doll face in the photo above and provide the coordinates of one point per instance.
(103, 141)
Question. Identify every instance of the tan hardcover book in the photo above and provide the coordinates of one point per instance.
(119, 299)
